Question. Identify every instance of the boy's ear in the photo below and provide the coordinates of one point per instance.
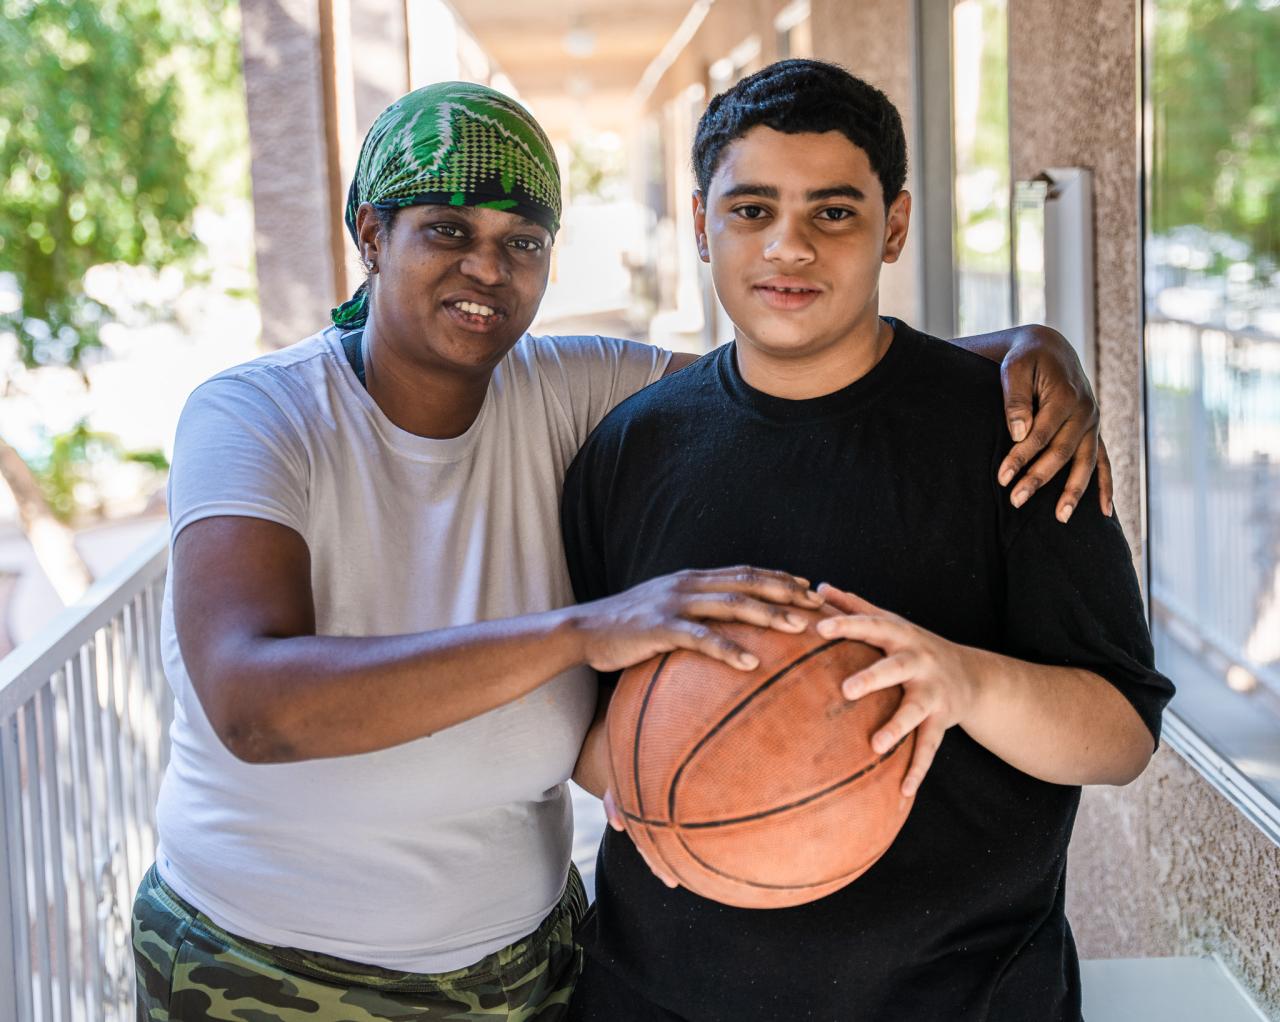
(700, 225)
(897, 220)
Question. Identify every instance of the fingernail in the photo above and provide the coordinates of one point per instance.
(1018, 430)
(814, 596)
(794, 620)
(850, 689)
(1020, 497)
(826, 627)
(1006, 475)
(1064, 512)
(804, 582)
(749, 660)
(908, 789)
(881, 742)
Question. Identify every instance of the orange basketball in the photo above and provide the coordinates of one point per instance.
(758, 789)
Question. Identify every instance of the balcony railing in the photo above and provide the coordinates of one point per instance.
(84, 720)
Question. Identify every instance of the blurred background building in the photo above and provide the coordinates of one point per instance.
(175, 180)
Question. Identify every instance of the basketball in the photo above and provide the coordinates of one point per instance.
(760, 788)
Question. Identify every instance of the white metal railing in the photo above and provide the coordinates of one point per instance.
(84, 721)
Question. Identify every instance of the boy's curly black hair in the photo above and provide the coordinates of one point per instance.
(795, 96)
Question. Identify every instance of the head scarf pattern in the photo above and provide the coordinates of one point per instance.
(453, 144)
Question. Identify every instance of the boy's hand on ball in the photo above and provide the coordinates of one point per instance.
(938, 677)
(618, 823)
(676, 612)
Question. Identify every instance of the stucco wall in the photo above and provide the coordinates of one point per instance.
(1165, 866)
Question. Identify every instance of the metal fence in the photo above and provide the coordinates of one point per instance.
(1214, 470)
(84, 720)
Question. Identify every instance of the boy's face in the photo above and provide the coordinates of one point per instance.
(795, 230)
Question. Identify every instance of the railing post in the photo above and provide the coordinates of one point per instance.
(14, 962)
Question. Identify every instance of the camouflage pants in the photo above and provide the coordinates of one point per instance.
(191, 970)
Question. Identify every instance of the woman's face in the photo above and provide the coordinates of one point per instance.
(456, 286)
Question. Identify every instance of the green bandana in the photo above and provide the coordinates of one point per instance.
(453, 144)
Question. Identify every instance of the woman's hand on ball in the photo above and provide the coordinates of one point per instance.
(675, 611)
(614, 815)
(939, 682)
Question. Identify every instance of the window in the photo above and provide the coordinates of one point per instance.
(980, 137)
(1212, 292)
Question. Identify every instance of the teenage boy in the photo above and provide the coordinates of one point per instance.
(823, 442)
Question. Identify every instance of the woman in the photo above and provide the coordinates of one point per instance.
(381, 682)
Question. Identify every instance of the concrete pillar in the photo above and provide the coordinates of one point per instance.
(316, 74)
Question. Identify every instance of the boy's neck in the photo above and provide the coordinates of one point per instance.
(797, 377)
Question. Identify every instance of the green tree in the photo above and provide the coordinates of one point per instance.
(1216, 101)
(110, 114)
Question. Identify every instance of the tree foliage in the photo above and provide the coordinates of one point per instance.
(1216, 101)
(95, 164)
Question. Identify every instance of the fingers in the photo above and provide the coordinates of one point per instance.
(1017, 379)
(1106, 491)
(909, 715)
(846, 603)
(703, 639)
(612, 813)
(616, 820)
(885, 673)
(928, 739)
(1082, 464)
(773, 586)
(879, 629)
(738, 606)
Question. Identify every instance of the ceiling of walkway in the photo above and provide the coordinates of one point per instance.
(575, 63)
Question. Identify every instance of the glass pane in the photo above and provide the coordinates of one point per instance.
(980, 118)
(1213, 369)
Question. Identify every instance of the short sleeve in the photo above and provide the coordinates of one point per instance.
(588, 376)
(1073, 599)
(237, 453)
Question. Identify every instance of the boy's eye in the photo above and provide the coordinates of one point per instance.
(447, 230)
(527, 244)
(750, 212)
(836, 213)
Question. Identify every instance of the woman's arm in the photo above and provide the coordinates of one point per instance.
(276, 692)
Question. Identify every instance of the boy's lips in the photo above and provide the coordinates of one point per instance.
(786, 294)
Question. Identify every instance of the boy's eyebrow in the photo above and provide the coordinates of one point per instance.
(818, 195)
(837, 192)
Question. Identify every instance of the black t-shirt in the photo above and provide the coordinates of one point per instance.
(886, 488)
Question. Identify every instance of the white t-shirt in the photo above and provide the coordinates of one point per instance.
(427, 856)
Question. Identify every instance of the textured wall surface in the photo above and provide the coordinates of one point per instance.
(1166, 866)
(282, 77)
(1073, 103)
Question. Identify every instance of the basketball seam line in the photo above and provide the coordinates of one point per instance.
(766, 813)
(644, 706)
(724, 721)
